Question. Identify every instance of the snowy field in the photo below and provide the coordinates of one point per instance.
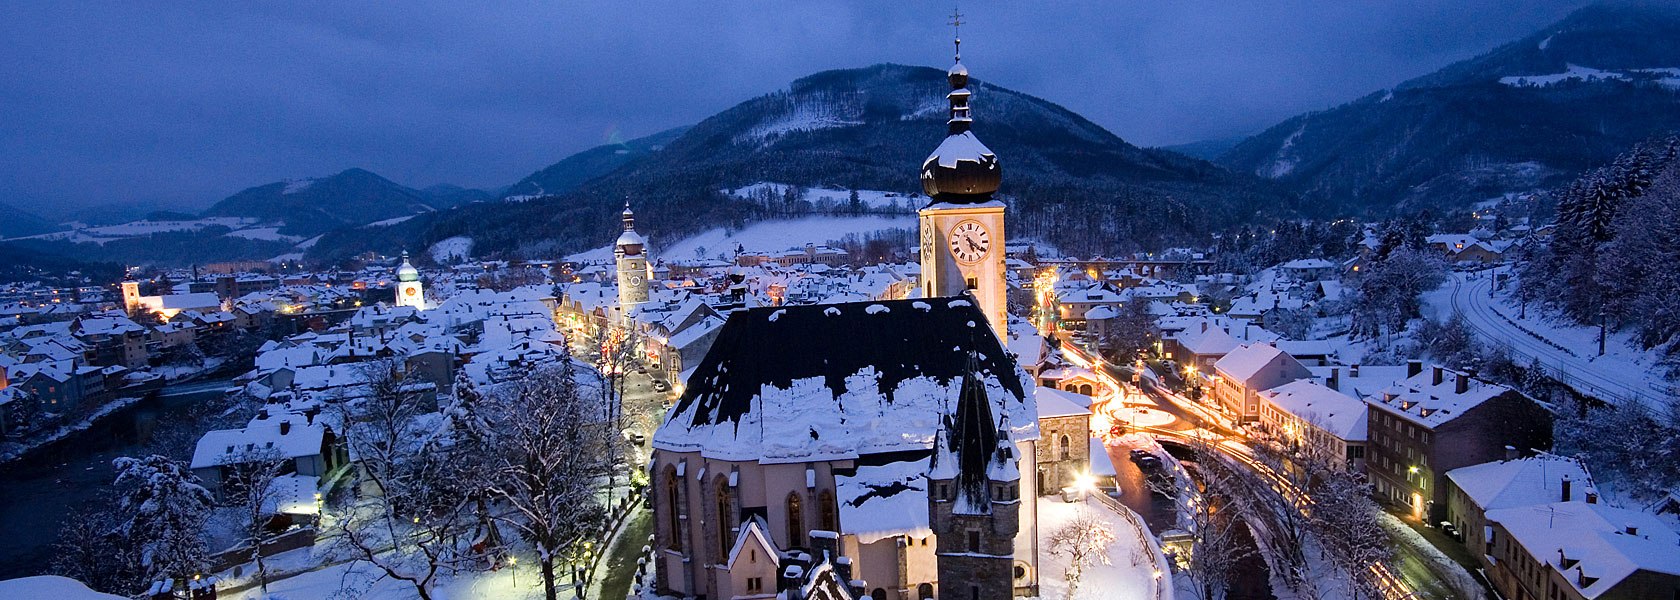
(1129, 574)
(874, 199)
(265, 233)
(1666, 77)
(456, 248)
(109, 233)
(765, 236)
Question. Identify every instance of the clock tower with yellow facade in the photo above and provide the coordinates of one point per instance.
(962, 227)
(630, 252)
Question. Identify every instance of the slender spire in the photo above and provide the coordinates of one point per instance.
(956, 31)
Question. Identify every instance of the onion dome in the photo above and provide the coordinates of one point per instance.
(407, 272)
(629, 243)
(962, 169)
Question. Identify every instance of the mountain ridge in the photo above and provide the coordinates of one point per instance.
(1518, 118)
(863, 128)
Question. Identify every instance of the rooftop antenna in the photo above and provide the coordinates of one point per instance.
(956, 31)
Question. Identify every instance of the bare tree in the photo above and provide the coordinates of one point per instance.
(1299, 457)
(92, 549)
(248, 484)
(1344, 519)
(1131, 331)
(1216, 546)
(1085, 541)
(551, 453)
(617, 357)
(407, 517)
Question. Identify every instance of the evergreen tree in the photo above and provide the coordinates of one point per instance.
(166, 509)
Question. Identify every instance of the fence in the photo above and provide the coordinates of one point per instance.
(1143, 539)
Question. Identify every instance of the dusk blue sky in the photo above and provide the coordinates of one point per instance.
(184, 103)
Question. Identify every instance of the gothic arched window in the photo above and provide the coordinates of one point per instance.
(828, 513)
(673, 502)
(1064, 448)
(795, 520)
(725, 519)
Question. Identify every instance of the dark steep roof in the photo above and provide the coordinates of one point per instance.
(879, 372)
(974, 439)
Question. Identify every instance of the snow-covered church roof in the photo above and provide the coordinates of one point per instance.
(826, 382)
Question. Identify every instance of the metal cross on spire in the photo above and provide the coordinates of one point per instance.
(956, 31)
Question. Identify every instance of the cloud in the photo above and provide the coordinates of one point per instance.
(186, 103)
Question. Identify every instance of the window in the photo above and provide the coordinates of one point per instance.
(878, 594)
(673, 499)
(796, 520)
(828, 515)
(972, 283)
(924, 591)
(1064, 443)
(973, 540)
(755, 585)
(725, 520)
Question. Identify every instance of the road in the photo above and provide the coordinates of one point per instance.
(1411, 570)
(1579, 368)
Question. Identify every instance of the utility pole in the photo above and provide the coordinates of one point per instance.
(1601, 331)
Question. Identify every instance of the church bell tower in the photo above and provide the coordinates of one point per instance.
(409, 290)
(962, 226)
(974, 499)
(631, 254)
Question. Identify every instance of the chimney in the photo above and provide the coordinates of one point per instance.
(1566, 483)
(1413, 367)
(1204, 326)
(1353, 371)
(1436, 375)
(285, 427)
(1511, 453)
(1632, 529)
(1463, 383)
(1592, 497)
(1333, 382)
(825, 546)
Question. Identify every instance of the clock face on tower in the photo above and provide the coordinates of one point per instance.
(970, 242)
(635, 280)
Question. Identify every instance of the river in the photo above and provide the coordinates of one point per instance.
(40, 491)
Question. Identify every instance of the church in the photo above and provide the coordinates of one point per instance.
(878, 444)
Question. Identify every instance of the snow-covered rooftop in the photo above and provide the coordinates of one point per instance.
(1339, 414)
(822, 382)
(885, 500)
(1529, 480)
(1601, 544)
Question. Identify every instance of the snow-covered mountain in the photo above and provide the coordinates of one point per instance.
(354, 197)
(1069, 181)
(1531, 114)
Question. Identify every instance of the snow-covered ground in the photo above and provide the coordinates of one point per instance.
(363, 581)
(1566, 351)
(50, 586)
(264, 233)
(874, 199)
(1666, 77)
(109, 233)
(766, 236)
(1131, 568)
(456, 248)
(389, 222)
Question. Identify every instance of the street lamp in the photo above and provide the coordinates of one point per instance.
(513, 563)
